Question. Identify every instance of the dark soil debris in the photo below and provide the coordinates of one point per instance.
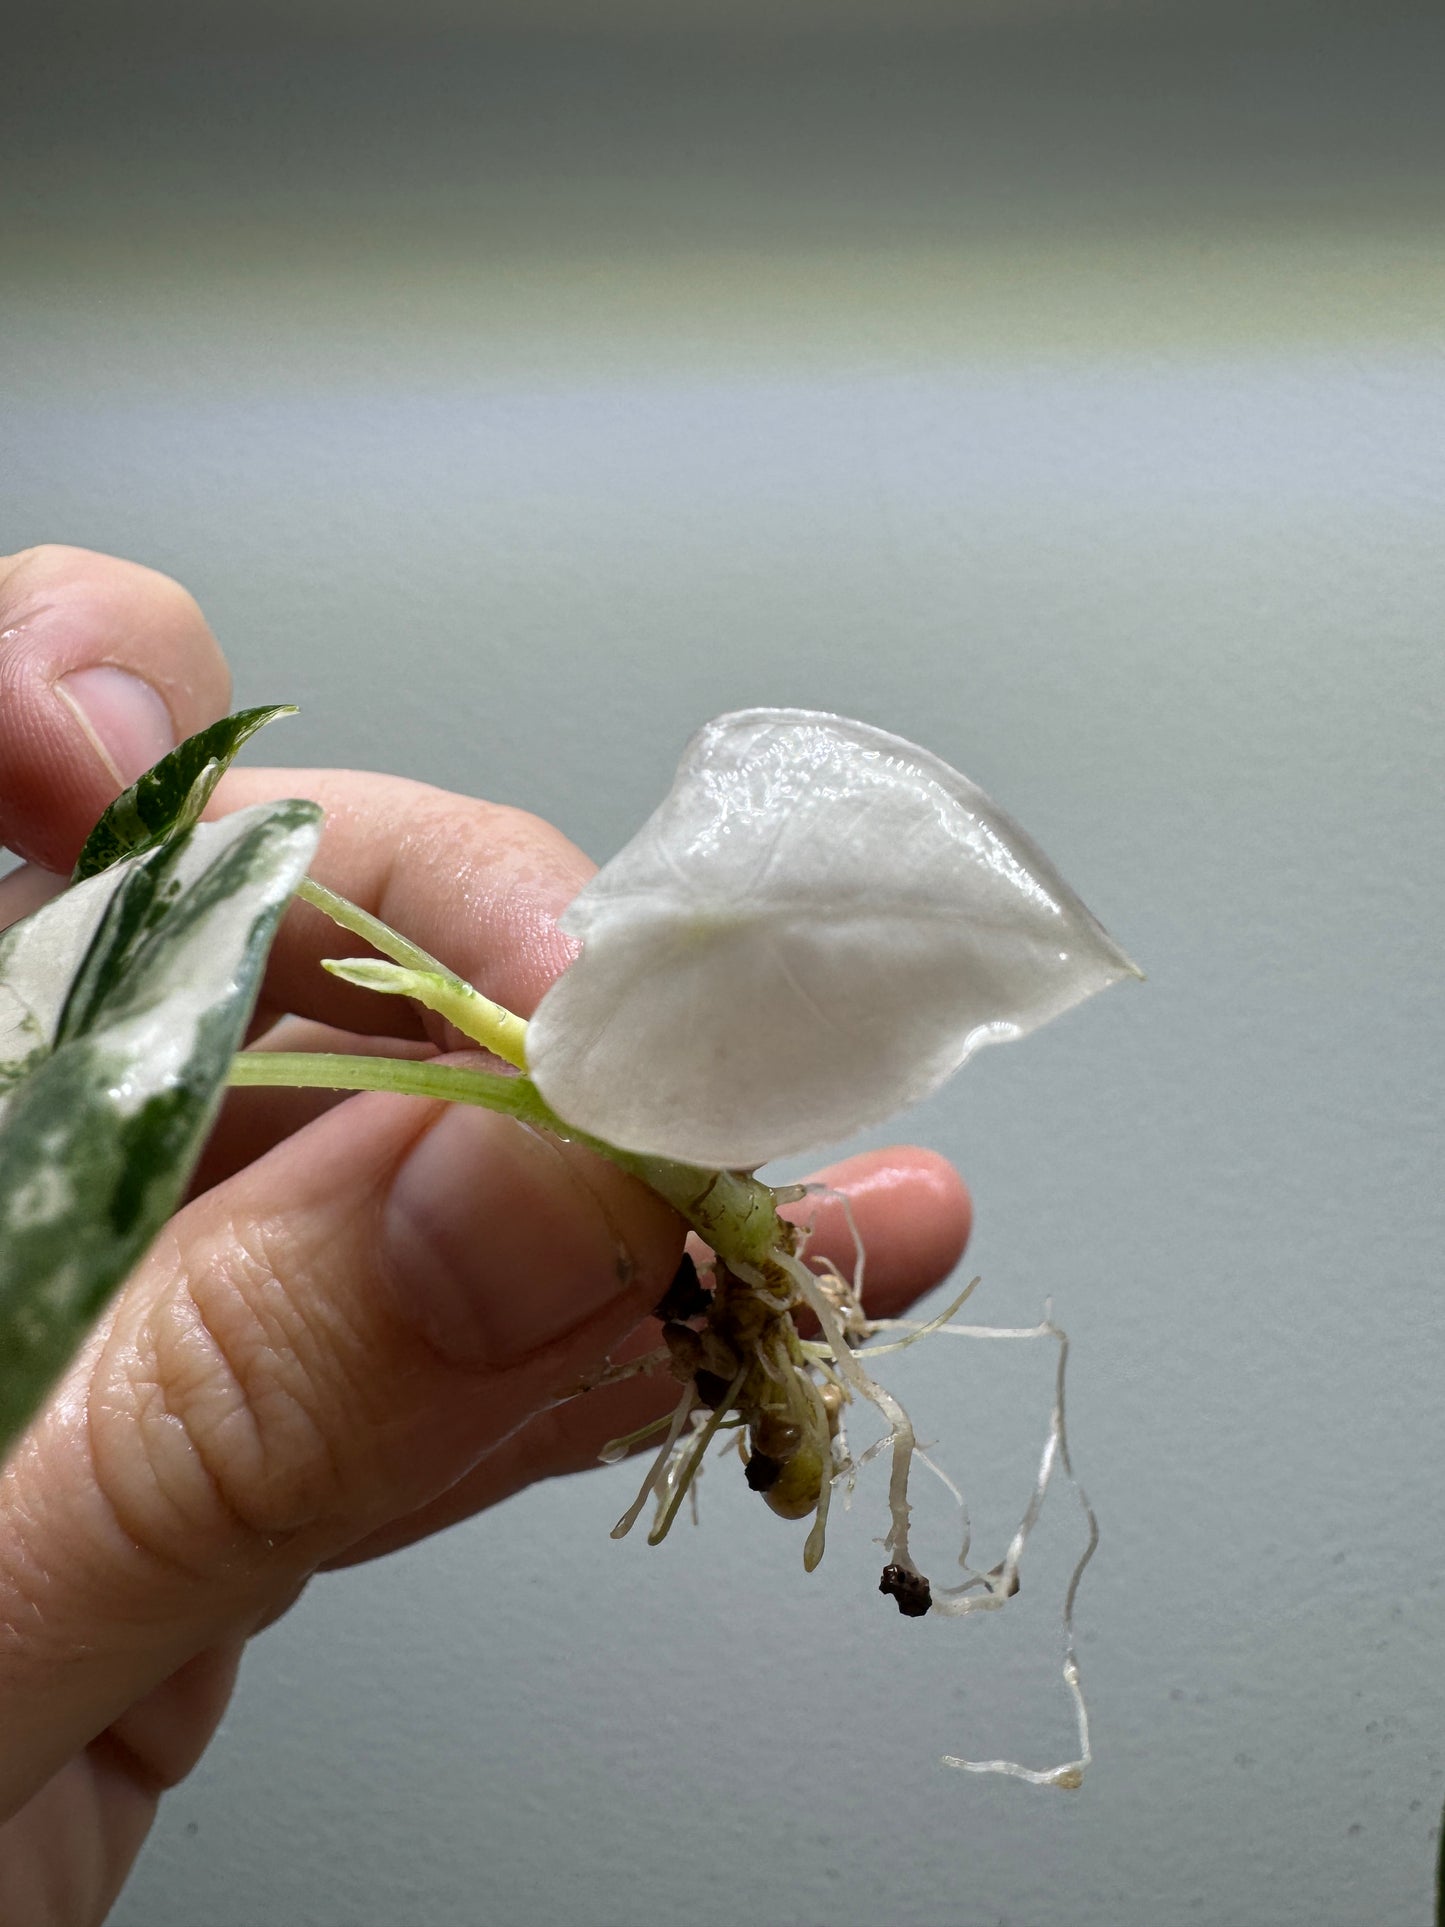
(910, 1589)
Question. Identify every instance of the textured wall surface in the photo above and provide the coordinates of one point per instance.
(1067, 394)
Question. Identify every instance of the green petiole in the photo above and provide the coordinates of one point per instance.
(413, 973)
(732, 1211)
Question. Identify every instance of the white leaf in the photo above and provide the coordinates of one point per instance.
(817, 927)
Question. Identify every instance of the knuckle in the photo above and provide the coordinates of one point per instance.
(207, 1418)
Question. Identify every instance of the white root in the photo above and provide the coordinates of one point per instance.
(685, 1406)
(682, 1470)
(817, 1537)
(838, 1360)
(899, 1424)
(979, 1591)
(999, 1584)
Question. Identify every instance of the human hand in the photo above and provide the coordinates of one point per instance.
(358, 1328)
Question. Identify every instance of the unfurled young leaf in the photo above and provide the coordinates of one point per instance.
(818, 926)
(173, 794)
(122, 1003)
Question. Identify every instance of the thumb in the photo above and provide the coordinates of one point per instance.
(104, 666)
(320, 1345)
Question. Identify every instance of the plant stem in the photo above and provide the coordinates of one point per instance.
(330, 1071)
(732, 1211)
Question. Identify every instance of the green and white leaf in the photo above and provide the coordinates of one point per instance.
(172, 795)
(38, 959)
(122, 1003)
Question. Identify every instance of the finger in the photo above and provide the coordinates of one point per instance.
(104, 666)
(913, 1215)
(326, 1341)
(65, 1854)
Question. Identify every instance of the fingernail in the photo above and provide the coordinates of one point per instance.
(126, 720)
(497, 1248)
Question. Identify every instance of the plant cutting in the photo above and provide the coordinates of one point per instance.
(820, 923)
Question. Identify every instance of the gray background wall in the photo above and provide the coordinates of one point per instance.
(1062, 387)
